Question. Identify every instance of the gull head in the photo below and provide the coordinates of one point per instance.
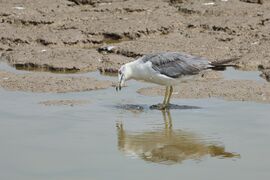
(124, 74)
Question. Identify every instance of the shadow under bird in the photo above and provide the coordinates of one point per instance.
(167, 69)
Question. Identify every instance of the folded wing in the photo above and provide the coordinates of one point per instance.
(174, 64)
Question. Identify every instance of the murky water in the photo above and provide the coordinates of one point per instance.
(232, 73)
(101, 140)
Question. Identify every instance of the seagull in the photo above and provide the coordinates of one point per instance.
(166, 69)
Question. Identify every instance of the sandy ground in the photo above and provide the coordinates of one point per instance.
(87, 35)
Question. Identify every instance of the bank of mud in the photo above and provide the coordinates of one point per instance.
(233, 90)
(71, 36)
(44, 82)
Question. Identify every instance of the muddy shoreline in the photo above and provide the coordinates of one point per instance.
(71, 36)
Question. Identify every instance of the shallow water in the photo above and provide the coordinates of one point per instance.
(101, 140)
(232, 73)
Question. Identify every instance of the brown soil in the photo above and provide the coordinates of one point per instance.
(236, 90)
(44, 82)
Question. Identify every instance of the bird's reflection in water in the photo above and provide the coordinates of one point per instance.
(168, 146)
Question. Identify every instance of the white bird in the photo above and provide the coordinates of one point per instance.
(166, 69)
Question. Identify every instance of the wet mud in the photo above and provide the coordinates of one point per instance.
(172, 106)
(65, 102)
(142, 108)
(233, 90)
(77, 36)
(44, 82)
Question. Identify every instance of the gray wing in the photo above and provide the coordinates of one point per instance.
(174, 64)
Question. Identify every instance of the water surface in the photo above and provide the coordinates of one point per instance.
(220, 140)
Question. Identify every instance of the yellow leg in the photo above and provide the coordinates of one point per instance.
(165, 96)
(169, 95)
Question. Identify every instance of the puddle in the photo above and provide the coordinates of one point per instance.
(5, 67)
(222, 137)
(222, 140)
(232, 73)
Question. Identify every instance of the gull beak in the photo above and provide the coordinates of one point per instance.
(120, 82)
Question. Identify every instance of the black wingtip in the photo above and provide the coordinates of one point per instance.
(225, 61)
(221, 65)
